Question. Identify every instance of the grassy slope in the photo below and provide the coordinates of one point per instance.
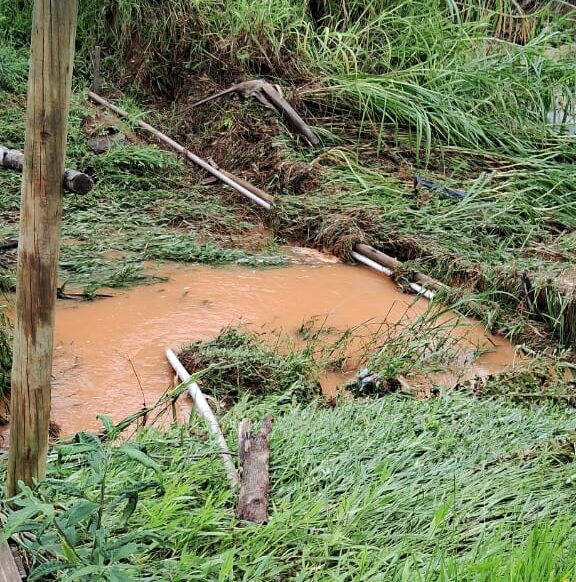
(398, 89)
(396, 489)
(140, 209)
(144, 207)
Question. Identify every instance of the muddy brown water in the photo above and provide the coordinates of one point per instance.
(109, 353)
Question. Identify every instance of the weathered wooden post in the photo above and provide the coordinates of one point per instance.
(49, 85)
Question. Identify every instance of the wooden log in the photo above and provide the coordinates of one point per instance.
(254, 189)
(75, 181)
(49, 89)
(269, 96)
(8, 244)
(9, 571)
(255, 481)
(290, 114)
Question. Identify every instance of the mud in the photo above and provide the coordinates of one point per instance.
(109, 354)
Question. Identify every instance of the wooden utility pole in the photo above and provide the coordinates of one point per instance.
(49, 86)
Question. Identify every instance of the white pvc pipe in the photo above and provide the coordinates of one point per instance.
(182, 150)
(381, 269)
(238, 187)
(422, 291)
(204, 409)
(372, 264)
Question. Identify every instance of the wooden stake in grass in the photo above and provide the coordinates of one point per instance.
(49, 86)
(255, 484)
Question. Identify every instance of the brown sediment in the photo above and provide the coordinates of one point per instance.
(109, 354)
(98, 343)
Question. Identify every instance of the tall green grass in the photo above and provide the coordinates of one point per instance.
(516, 223)
(435, 67)
(437, 85)
(13, 68)
(432, 68)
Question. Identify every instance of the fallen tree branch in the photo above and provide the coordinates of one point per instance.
(246, 89)
(267, 94)
(255, 485)
(289, 114)
(60, 294)
(73, 180)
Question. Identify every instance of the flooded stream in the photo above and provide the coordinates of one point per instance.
(109, 353)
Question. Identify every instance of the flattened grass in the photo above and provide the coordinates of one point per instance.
(394, 489)
(390, 489)
(144, 207)
(242, 364)
(403, 89)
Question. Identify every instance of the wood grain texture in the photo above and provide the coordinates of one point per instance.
(290, 115)
(51, 58)
(255, 480)
(9, 571)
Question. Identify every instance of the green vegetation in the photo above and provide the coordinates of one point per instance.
(144, 207)
(452, 488)
(540, 379)
(457, 487)
(14, 68)
(460, 92)
(241, 363)
(476, 484)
